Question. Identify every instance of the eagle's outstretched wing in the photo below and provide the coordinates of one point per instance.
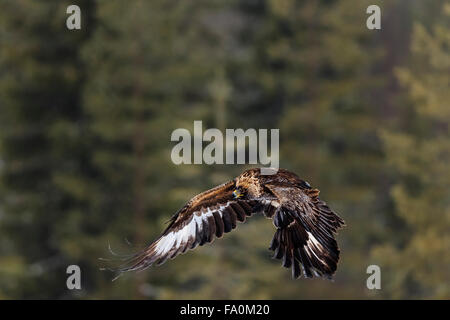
(204, 217)
(305, 231)
(304, 238)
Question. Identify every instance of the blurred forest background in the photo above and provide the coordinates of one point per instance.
(86, 118)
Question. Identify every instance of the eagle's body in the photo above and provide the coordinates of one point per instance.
(305, 225)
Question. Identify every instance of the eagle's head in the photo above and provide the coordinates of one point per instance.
(248, 185)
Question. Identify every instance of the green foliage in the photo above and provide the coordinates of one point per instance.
(41, 139)
(419, 153)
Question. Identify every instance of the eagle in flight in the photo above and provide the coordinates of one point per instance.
(305, 225)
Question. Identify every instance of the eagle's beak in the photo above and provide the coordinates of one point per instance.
(237, 193)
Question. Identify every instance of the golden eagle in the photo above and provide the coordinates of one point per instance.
(305, 225)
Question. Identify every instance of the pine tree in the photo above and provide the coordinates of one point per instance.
(41, 141)
(313, 64)
(152, 70)
(419, 153)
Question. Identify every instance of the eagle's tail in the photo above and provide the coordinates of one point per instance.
(306, 253)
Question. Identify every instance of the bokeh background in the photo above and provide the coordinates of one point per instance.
(86, 118)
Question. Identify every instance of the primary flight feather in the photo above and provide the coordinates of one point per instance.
(305, 225)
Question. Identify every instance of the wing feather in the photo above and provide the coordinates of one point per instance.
(305, 231)
(205, 217)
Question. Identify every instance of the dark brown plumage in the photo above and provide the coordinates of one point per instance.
(305, 225)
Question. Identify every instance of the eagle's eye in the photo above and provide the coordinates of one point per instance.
(237, 193)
